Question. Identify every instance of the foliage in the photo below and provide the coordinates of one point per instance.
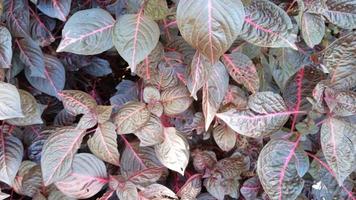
(178, 99)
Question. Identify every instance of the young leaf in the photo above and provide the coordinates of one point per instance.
(191, 188)
(103, 143)
(341, 13)
(214, 92)
(134, 37)
(210, 26)
(267, 25)
(242, 70)
(58, 152)
(200, 68)
(280, 167)
(11, 153)
(131, 117)
(77, 102)
(151, 94)
(5, 48)
(272, 115)
(338, 59)
(87, 177)
(31, 55)
(87, 32)
(313, 28)
(10, 102)
(203, 160)
(224, 137)
(54, 80)
(174, 151)
(176, 100)
(338, 144)
(17, 17)
(31, 110)
(55, 8)
(152, 133)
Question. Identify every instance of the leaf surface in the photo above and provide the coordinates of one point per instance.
(10, 102)
(5, 47)
(77, 102)
(176, 100)
(55, 8)
(341, 13)
(313, 28)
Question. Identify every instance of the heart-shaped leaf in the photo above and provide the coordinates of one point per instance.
(210, 26)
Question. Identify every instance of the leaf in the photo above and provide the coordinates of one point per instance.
(176, 100)
(126, 91)
(174, 151)
(103, 143)
(17, 17)
(41, 27)
(98, 67)
(272, 115)
(64, 118)
(31, 55)
(5, 47)
(31, 110)
(203, 160)
(341, 103)
(11, 153)
(127, 191)
(231, 167)
(131, 117)
(158, 191)
(250, 188)
(242, 70)
(77, 102)
(152, 133)
(87, 32)
(224, 137)
(4, 195)
(55, 8)
(236, 96)
(200, 68)
(280, 168)
(156, 9)
(137, 39)
(338, 144)
(30, 178)
(146, 176)
(210, 26)
(338, 59)
(191, 188)
(313, 28)
(267, 25)
(215, 188)
(151, 94)
(10, 102)
(214, 92)
(341, 13)
(87, 178)
(58, 152)
(104, 113)
(54, 77)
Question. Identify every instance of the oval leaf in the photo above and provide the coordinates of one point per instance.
(58, 152)
(87, 32)
(224, 137)
(152, 133)
(77, 102)
(210, 26)
(87, 178)
(176, 100)
(313, 28)
(5, 48)
(174, 151)
(134, 37)
(10, 102)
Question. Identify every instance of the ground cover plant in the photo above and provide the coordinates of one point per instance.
(178, 99)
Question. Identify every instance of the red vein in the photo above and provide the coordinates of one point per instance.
(210, 31)
(137, 28)
(41, 23)
(127, 144)
(59, 9)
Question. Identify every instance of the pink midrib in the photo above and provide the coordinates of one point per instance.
(104, 142)
(210, 31)
(138, 22)
(56, 5)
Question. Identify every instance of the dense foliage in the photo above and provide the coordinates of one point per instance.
(178, 99)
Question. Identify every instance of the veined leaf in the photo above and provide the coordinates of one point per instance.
(203, 160)
(58, 152)
(11, 153)
(5, 47)
(134, 37)
(55, 8)
(152, 133)
(87, 32)
(31, 110)
(341, 13)
(29, 179)
(176, 100)
(156, 9)
(268, 25)
(242, 70)
(280, 167)
(31, 55)
(131, 117)
(151, 94)
(77, 102)
(200, 68)
(191, 188)
(158, 191)
(17, 17)
(127, 191)
(313, 28)
(87, 177)
(103, 143)
(146, 176)
(338, 142)
(214, 92)
(224, 137)
(340, 60)
(250, 188)
(10, 102)
(273, 114)
(54, 80)
(341, 103)
(210, 26)
(174, 151)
